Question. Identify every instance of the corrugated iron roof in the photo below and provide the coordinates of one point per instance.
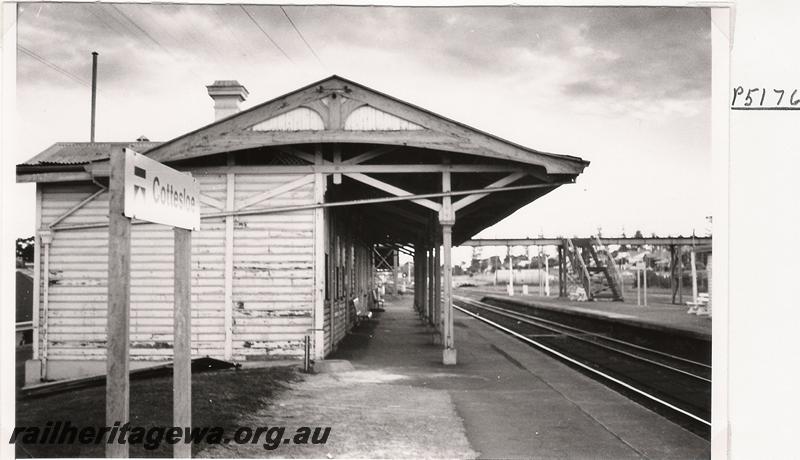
(78, 153)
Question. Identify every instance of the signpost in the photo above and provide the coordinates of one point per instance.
(147, 190)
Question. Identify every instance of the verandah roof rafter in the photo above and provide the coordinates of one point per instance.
(101, 170)
(283, 209)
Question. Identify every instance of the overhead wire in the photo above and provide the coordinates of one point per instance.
(265, 33)
(140, 29)
(221, 20)
(100, 18)
(198, 41)
(296, 29)
(122, 26)
(58, 69)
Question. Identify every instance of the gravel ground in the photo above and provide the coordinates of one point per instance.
(372, 414)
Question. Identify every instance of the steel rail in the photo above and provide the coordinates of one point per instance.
(586, 367)
(533, 322)
(594, 334)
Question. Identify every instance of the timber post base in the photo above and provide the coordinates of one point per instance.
(449, 357)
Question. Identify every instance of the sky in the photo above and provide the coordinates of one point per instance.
(626, 88)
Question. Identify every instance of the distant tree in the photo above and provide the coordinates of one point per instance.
(25, 248)
(623, 247)
(494, 262)
(638, 234)
(475, 266)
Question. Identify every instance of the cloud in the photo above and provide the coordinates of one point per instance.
(589, 88)
(604, 83)
(629, 53)
(662, 55)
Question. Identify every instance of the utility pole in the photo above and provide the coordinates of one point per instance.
(94, 94)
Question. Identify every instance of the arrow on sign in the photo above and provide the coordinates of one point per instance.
(141, 173)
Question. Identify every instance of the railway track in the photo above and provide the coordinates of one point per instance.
(674, 386)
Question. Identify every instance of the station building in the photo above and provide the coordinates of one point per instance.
(296, 194)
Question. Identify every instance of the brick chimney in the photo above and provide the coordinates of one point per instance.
(227, 95)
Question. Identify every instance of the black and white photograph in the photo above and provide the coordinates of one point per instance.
(367, 231)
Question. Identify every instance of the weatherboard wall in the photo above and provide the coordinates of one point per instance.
(76, 303)
(273, 271)
(267, 272)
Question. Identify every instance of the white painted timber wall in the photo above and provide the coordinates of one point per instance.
(272, 271)
(299, 119)
(368, 118)
(77, 300)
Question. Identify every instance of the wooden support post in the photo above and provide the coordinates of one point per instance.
(539, 267)
(182, 346)
(46, 238)
(546, 276)
(331, 279)
(418, 277)
(672, 283)
(119, 294)
(447, 218)
(370, 268)
(564, 269)
(335, 280)
(424, 275)
(449, 353)
(396, 272)
(638, 287)
(562, 272)
(680, 276)
(424, 281)
(366, 273)
(431, 286)
(694, 276)
(437, 286)
(37, 276)
(357, 268)
(510, 272)
(644, 282)
(709, 279)
(412, 268)
(348, 276)
(319, 262)
(228, 319)
(337, 160)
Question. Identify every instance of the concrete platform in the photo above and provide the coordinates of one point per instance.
(657, 316)
(502, 400)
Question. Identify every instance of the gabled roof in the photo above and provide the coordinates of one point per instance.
(322, 112)
(332, 110)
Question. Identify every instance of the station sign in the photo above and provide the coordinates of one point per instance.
(157, 193)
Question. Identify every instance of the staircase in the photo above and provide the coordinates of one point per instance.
(593, 267)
